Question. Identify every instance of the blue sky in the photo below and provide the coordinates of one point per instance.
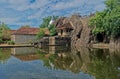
(16, 13)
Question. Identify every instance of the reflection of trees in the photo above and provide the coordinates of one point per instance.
(4, 55)
(61, 59)
(47, 58)
(102, 66)
(98, 62)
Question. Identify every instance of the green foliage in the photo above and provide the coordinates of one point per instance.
(52, 30)
(1, 41)
(46, 21)
(4, 55)
(107, 21)
(10, 42)
(46, 24)
(47, 60)
(4, 34)
(41, 33)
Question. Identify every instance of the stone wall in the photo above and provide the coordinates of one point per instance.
(115, 44)
(23, 39)
(54, 41)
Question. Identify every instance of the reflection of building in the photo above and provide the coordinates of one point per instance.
(22, 51)
(27, 57)
(24, 35)
(25, 54)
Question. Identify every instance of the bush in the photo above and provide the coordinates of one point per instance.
(1, 41)
(11, 42)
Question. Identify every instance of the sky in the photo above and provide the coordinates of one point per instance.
(16, 13)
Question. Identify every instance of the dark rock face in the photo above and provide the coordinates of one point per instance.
(81, 35)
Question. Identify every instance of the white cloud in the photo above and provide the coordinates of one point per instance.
(22, 5)
(99, 7)
(71, 4)
(20, 12)
(9, 20)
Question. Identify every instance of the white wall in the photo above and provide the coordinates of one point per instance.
(23, 39)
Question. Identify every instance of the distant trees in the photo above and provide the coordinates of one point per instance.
(25, 26)
(108, 21)
(4, 32)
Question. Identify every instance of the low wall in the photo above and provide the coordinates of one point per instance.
(115, 44)
(54, 41)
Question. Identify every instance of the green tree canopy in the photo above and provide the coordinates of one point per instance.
(41, 33)
(46, 24)
(4, 31)
(108, 21)
(47, 20)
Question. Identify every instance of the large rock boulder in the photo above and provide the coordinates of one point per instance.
(81, 35)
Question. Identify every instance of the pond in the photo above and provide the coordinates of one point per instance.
(59, 63)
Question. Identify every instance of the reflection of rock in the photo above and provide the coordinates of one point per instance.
(85, 58)
(68, 61)
(115, 56)
(96, 62)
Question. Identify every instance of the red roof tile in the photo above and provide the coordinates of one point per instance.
(26, 31)
(11, 31)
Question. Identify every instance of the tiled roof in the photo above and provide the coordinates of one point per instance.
(26, 31)
(11, 31)
(63, 23)
(67, 26)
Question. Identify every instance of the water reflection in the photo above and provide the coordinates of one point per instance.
(25, 53)
(5, 54)
(82, 63)
(102, 64)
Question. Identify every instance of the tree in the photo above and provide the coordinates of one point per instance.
(46, 24)
(46, 21)
(41, 33)
(52, 30)
(108, 21)
(4, 31)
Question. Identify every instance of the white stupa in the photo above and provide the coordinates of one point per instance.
(51, 21)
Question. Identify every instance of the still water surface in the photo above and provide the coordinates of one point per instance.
(59, 63)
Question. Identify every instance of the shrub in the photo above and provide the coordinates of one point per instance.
(11, 42)
(1, 41)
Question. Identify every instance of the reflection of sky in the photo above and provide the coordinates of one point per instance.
(30, 12)
(17, 69)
